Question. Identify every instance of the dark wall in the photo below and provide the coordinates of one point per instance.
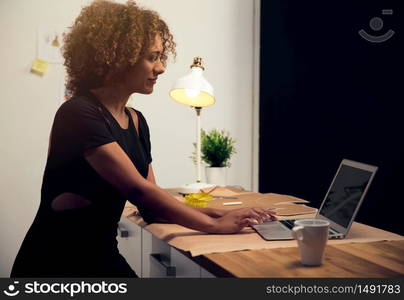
(327, 94)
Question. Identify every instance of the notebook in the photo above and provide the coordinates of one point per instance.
(340, 205)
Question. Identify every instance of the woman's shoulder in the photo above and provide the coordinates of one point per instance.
(78, 104)
(138, 113)
(140, 120)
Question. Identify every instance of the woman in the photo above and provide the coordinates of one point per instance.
(99, 153)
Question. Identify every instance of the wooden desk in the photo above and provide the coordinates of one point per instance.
(375, 259)
(366, 252)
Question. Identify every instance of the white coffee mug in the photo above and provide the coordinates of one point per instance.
(311, 236)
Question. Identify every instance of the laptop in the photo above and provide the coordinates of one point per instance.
(340, 205)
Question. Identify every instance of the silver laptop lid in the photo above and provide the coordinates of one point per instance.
(346, 193)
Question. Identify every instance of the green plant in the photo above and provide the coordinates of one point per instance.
(216, 148)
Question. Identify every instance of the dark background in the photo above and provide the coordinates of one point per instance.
(328, 94)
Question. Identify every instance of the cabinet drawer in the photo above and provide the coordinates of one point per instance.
(184, 266)
(156, 259)
(161, 260)
(151, 257)
(130, 243)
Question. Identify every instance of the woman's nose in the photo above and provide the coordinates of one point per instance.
(159, 67)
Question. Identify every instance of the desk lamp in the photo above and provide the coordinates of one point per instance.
(195, 91)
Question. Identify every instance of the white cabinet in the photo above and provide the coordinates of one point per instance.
(130, 244)
(151, 257)
(206, 274)
(146, 250)
(185, 267)
(155, 257)
(160, 260)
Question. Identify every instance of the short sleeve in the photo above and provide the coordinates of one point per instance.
(80, 125)
(145, 136)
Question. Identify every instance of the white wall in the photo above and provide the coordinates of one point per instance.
(219, 31)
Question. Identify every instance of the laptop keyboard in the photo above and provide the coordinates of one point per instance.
(288, 223)
(291, 223)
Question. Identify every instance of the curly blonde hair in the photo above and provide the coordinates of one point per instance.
(109, 36)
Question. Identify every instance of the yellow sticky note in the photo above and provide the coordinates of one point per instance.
(39, 66)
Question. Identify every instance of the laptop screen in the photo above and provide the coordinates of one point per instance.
(345, 194)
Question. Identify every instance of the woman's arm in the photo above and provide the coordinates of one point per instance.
(112, 163)
(212, 212)
(150, 175)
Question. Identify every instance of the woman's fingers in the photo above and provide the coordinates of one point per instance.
(274, 218)
(266, 214)
(265, 211)
(259, 217)
(247, 222)
(260, 214)
(250, 213)
(252, 216)
(235, 220)
(271, 214)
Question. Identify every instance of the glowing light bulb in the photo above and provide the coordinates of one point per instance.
(192, 92)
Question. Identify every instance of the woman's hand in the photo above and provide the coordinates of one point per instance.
(259, 213)
(212, 212)
(218, 212)
(235, 220)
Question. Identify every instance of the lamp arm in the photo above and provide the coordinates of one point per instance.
(198, 143)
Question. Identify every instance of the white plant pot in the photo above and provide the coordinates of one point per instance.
(216, 175)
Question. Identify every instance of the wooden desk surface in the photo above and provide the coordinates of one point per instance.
(384, 258)
(374, 259)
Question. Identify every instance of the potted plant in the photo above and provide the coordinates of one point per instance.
(217, 148)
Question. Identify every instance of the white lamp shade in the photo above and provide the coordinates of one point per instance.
(193, 90)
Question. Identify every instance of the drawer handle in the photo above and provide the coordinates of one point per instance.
(122, 231)
(158, 258)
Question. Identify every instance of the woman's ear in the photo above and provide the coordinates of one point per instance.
(114, 75)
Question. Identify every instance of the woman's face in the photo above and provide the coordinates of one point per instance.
(142, 76)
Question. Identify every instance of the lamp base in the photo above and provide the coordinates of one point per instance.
(196, 187)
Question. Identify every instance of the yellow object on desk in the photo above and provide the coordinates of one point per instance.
(198, 199)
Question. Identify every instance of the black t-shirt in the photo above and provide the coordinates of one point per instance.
(82, 236)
